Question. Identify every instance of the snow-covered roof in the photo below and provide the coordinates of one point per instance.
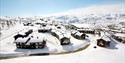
(39, 21)
(34, 40)
(68, 35)
(53, 27)
(22, 33)
(62, 33)
(73, 31)
(35, 37)
(120, 34)
(83, 25)
(79, 34)
(33, 28)
(22, 40)
(86, 29)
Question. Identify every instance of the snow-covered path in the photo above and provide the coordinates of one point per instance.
(89, 55)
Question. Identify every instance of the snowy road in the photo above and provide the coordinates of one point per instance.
(90, 55)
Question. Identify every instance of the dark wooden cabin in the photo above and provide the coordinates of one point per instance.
(103, 43)
(65, 41)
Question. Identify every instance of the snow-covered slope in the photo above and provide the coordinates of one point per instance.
(96, 9)
(97, 15)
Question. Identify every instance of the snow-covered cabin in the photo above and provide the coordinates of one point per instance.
(30, 42)
(28, 24)
(41, 23)
(44, 29)
(85, 28)
(103, 42)
(78, 35)
(63, 37)
(119, 37)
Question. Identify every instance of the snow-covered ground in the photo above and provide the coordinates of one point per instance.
(96, 17)
(89, 55)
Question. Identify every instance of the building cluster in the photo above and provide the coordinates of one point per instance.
(32, 38)
(58, 30)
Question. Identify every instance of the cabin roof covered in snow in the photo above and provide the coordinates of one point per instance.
(35, 37)
(88, 29)
(83, 25)
(62, 33)
(47, 27)
(22, 40)
(79, 34)
(120, 34)
(106, 38)
(34, 40)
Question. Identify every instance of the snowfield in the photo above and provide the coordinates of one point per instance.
(108, 20)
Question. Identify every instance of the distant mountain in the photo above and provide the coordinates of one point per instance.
(93, 14)
(96, 9)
